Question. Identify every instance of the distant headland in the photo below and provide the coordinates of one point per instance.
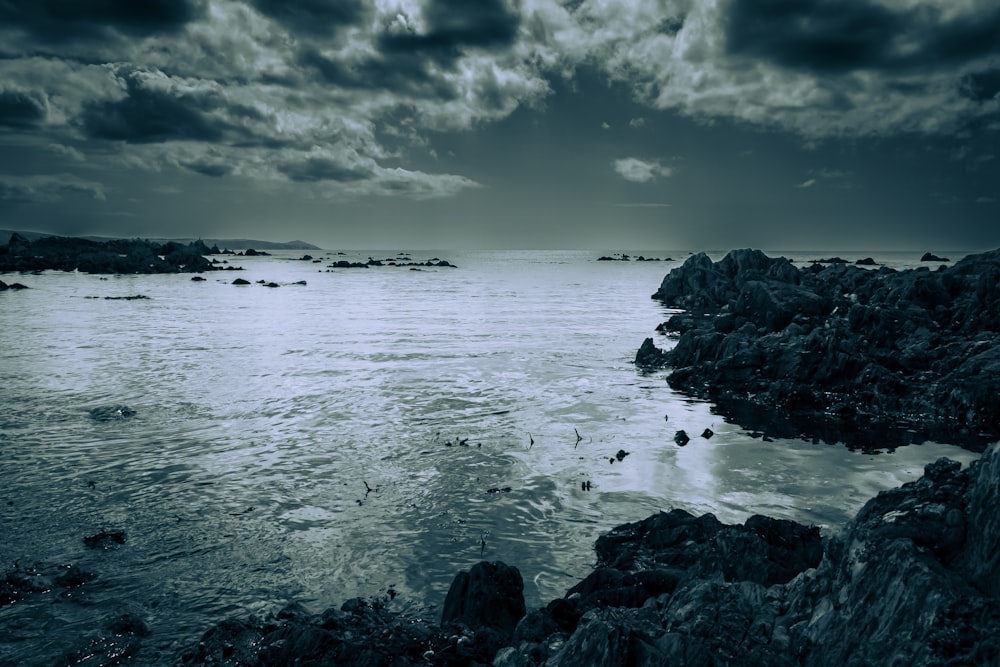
(234, 244)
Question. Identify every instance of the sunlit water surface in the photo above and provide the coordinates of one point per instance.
(265, 415)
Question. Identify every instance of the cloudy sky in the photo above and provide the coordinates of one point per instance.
(608, 124)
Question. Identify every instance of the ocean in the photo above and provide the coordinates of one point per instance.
(369, 433)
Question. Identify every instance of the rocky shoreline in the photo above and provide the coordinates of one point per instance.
(118, 256)
(868, 356)
(913, 579)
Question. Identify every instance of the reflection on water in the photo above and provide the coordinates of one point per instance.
(358, 433)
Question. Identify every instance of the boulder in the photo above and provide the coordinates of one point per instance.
(650, 356)
(107, 413)
(489, 595)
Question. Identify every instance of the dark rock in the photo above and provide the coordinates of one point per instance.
(120, 641)
(115, 256)
(707, 433)
(241, 281)
(250, 252)
(105, 540)
(621, 455)
(681, 438)
(771, 592)
(21, 582)
(929, 257)
(839, 353)
(271, 284)
(650, 356)
(490, 595)
(867, 261)
(111, 413)
(198, 279)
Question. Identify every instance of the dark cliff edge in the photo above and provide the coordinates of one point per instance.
(869, 357)
(913, 579)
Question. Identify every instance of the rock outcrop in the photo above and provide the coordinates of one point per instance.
(839, 352)
(913, 580)
(117, 256)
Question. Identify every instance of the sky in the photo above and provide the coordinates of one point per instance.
(687, 124)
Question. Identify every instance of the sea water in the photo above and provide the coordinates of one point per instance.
(368, 433)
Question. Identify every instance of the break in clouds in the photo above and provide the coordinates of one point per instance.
(332, 97)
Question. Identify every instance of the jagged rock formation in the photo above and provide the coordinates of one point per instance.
(867, 356)
(913, 580)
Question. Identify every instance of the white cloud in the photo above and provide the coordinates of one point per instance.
(640, 171)
(806, 184)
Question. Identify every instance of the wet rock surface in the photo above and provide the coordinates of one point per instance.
(838, 352)
(912, 580)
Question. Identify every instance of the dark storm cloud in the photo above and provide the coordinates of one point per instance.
(316, 169)
(315, 17)
(400, 74)
(455, 25)
(213, 169)
(65, 20)
(20, 108)
(812, 34)
(404, 63)
(837, 36)
(981, 86)
(150, 115)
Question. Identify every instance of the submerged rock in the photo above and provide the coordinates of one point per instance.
(111, 413)
(868, 356)
(105, 540)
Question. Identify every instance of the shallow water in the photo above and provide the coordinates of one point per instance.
(264, 415)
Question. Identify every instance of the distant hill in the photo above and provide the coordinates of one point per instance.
(232, 244)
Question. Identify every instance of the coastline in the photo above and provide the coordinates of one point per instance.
(873, 356)
(912, 579)
(630, 462)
